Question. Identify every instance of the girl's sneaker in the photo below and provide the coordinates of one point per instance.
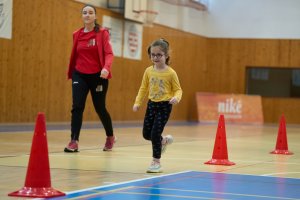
(72, 147)
(155, 167)
(168, 139)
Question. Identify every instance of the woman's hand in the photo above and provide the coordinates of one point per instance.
(104, 73)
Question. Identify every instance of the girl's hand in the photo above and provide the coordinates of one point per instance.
(173, 101)
(135, 108)
(104, 73)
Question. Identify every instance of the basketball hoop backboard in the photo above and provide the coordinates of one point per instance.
(148, 16)
(139, 11)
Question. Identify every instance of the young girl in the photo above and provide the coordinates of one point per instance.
(162, 83)
(90, 71)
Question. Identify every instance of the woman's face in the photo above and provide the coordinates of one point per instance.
(88, 15)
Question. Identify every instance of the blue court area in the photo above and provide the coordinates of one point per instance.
(196, 185)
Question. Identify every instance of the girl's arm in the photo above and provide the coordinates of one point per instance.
(142, 92)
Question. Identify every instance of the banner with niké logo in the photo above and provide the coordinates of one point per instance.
(236, 108)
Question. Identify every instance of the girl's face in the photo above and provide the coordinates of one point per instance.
(158, 57)
(88, 15)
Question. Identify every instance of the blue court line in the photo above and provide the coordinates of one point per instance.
(196, 185)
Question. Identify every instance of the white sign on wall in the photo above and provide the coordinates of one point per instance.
(115, 27)
(6, 18)
(133, 36)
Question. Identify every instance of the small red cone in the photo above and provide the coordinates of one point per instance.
(38, 183)
(220, 155)
(281, 144)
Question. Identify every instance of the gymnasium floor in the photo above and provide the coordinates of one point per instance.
(257, 174)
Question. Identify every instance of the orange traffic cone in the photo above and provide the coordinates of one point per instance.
(281, 144)
(220, 155)
(38, 183)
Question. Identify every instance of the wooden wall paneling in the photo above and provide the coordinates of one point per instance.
(250, 51)
(34, 64)
(269, 109)
(284, 53)
(217, 62)
(192, 71)
(289, 107)
(275, 107)
(294, 59)
(4, 61)
(268, 53)
(40, 55)
(237, 66)
(14, 71)
(63, 23)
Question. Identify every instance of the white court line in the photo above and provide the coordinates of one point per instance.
(147, 157)
(182, 158)
(279, 173)
(168, 195)
(121, 183)
(208, 192)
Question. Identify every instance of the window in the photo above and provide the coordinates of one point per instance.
(273, 82)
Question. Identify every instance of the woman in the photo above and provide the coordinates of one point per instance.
(90, 70)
